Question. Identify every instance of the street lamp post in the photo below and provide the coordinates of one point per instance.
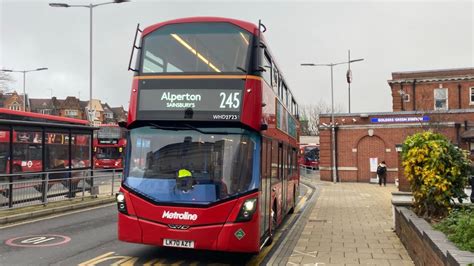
(90, 6)
(24, 80)
(333, 130)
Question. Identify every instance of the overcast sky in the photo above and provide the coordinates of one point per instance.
(391, 36)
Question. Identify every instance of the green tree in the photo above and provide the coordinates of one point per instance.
(437, 171)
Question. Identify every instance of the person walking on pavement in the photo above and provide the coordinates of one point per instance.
(382, 173)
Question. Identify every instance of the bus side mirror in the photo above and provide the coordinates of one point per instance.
(122, 123)
(263, 127)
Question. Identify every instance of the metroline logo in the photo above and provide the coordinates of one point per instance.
(180, 216)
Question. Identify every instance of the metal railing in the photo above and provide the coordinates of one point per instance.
(40, 188)
(309, 173)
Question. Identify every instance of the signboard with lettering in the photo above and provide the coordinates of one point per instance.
(373, 164)
(190, 99)
(197, 99)
(108, 141)
(400, 119)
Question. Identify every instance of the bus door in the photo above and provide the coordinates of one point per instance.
(265, 196)
(283, 177)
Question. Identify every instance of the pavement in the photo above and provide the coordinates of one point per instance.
(344, 224)
(37, 211)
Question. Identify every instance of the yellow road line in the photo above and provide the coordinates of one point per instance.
(150, 263)
(129, 262)
(91, 261)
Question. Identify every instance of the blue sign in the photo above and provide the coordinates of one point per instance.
(399, 119)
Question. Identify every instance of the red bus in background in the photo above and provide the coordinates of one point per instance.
(212, 155)
(309, 156)
(109, 147)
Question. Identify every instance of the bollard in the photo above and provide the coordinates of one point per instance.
(45, 189)
(84, 176)
(10, 192)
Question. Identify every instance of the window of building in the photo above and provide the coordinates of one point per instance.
(471, 91)
(45, 111)
(109, 115)
(70, 112)
(441, 99)
(15, 106)
(406, 97)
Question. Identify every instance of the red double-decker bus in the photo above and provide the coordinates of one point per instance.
(109, 146)
(212, 146)
(309, 156)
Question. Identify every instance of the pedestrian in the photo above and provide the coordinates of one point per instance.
(382, 173)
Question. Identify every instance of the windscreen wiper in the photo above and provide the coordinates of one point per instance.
(188, 126)
(211, 132)
(167, 128)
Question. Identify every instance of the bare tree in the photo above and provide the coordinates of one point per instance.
(437, 118)
(310, 116)
(5, 79)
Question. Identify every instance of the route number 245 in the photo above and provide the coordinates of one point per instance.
(230, 100)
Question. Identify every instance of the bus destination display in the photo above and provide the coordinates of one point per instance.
(207, 104)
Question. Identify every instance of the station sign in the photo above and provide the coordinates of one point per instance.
(406, 119)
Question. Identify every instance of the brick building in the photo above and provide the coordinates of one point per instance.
(13, 101)
(441, 100)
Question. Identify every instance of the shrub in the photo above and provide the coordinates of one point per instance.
(459, 228)
(437, 171)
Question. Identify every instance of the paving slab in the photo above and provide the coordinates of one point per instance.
(348, 224)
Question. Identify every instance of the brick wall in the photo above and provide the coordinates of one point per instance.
(425, 245)
(413, 240)
(359, 140)
(459, 95)
(420, 87)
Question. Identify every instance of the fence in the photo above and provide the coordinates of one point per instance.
(26, 189)
(309, 173)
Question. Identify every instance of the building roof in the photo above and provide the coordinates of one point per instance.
(107, 108)
(96, 105)
(118, 110)
(41, 104)
(453, 74)
(431, 112)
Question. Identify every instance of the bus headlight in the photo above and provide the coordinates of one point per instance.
(121, 205)
(247, 210)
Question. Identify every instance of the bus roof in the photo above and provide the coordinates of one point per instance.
(20, 115)
(243, 24)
